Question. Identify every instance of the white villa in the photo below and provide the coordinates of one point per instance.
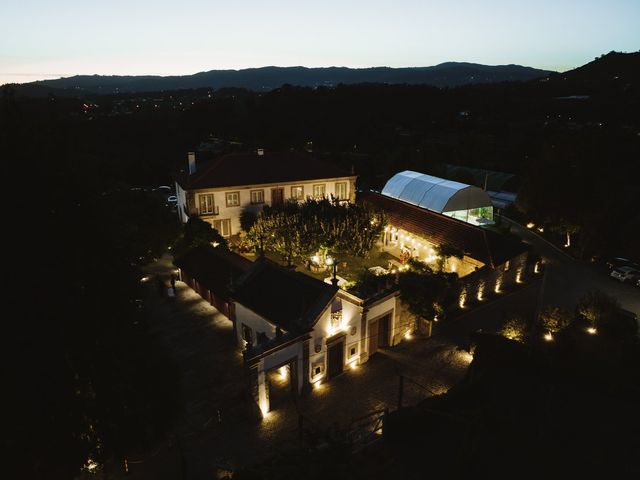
(220, 191)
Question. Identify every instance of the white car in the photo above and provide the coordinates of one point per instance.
(625, 274)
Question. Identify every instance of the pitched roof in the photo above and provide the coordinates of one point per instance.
(252, 169)
(215, 268)
(289, 299)
(487, 246)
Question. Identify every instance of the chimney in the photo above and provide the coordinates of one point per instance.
(260, 152)
(192, 162)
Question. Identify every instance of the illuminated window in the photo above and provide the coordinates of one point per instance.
(341, 191)
(257, 196)
(206, 204)
(233, 199)
(319, 191)
(297, 193)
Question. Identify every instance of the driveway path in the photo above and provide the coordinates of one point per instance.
(568, 279)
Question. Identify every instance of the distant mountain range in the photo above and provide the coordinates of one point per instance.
(448, 74)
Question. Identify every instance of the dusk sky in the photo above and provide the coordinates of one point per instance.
(48, 39)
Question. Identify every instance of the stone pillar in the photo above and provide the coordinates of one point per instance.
(364, 336)
(263, 390)
(303, 368)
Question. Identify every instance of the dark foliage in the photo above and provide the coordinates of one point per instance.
(195, 233)
(86, 376)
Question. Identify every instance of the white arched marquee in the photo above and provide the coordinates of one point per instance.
(458, 200)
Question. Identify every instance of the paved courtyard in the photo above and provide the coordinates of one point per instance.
(219, 426)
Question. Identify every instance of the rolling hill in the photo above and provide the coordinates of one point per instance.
(448, 74)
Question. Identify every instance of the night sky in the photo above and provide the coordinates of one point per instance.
(43, 39)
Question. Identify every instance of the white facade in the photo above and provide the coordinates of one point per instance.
(350, 324)
(222, 206)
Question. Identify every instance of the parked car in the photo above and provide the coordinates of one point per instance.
(618, 262)
(625, 274)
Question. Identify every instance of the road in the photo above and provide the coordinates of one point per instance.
(568, 279)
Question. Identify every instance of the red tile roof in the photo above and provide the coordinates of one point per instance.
(252, 169)
(215, 268)
(484, 245)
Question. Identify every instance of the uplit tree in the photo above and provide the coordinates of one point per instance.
(428, 294)
(248, 218)
(444, 252)
(195, 233)
(555, 319)
(597, 308)
(297, 230)
(514, 329)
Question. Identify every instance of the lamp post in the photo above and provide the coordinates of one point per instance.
(332, 262)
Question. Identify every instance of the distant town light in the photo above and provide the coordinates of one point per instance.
(592, 330)
(548, 337)
(144, 279)
(531, 225)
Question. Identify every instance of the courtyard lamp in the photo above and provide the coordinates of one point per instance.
(332, 262)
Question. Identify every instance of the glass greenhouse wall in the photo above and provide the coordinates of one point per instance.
(474, 216)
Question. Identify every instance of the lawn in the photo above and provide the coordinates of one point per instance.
(349, 266)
